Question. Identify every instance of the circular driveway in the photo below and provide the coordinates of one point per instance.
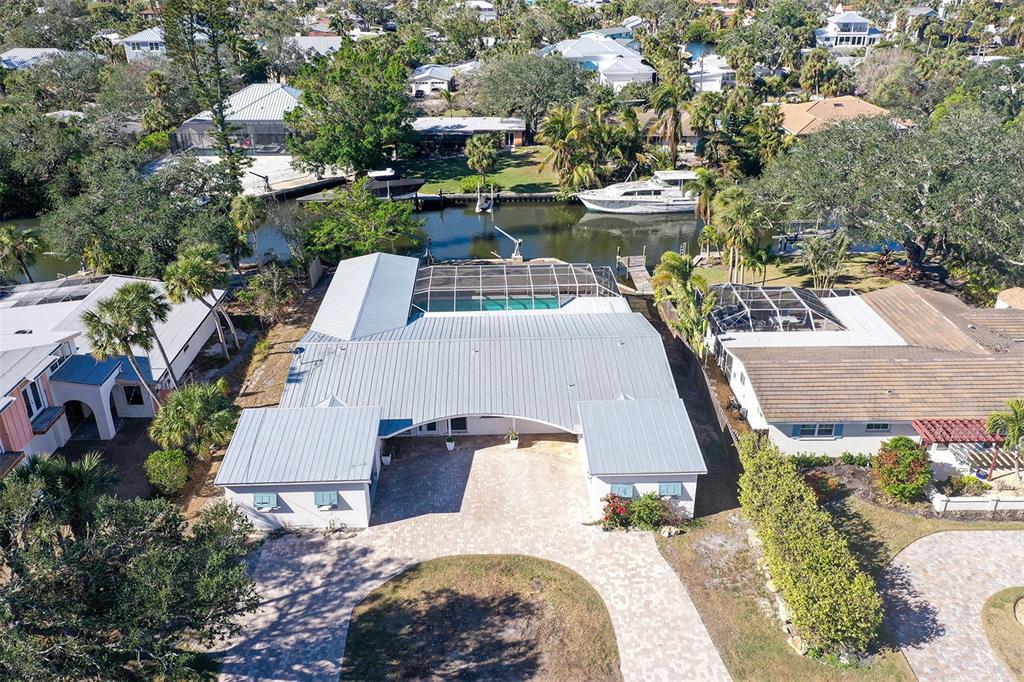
(934, 591)
(482, 499)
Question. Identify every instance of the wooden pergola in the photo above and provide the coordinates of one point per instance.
(947, 431)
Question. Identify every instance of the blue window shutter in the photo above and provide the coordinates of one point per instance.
(622, 489)
(795, 431)
(326, 499)
(263, 500)
(838, 431)
(670, 489)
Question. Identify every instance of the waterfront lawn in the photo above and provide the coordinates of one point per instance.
(506, 617)
(516, 171)
(790, 272)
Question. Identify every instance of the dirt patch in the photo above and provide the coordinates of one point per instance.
(482, 618)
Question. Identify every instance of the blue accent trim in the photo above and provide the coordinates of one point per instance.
(838, 431)
(264, 500)
(795, 431)
(670, 490)
(325, 498)
(623, 490)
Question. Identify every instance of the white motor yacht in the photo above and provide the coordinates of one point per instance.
(663, 193)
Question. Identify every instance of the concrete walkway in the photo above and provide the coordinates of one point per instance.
(482, 499)
(935, 589)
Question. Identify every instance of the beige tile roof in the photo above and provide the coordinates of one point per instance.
(1013, 297)
(891, 383)
(805, 118)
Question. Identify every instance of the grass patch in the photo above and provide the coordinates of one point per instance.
(482, 617)
(516, 171)
(715, 563)
(790, 272)
(1005, 634)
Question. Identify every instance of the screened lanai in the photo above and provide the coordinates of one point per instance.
(491, 287)
(740, 307)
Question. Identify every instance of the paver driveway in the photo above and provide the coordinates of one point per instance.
(934, 591)
(482, 499)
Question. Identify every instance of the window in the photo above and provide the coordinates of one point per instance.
(877, 427)
(458, 425)
(432, 426)
(326, 500)
(622, 489)
(264, 502)
(133, 395)
(817, 431)
(670, 489)
(35, 399)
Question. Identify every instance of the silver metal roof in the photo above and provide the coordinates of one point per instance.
(368, 295)
(639, 437)
(257, 102)
(532, 366)
(316, 444)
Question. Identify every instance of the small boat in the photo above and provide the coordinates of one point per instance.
(663, 193)
(484, 204)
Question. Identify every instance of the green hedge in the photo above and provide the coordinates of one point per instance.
(167, 470)
(834, 604)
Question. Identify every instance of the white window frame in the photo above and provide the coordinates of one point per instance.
(818, 430)
(31, 407)
(877, 427)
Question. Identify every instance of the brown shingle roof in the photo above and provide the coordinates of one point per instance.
(804, 118)
(898, 383)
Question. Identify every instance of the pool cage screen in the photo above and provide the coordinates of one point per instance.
(739, 307)
(492, 287)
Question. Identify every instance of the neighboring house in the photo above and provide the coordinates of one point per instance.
(257, 113)
(52, 388)
(1011, 298)
(620, 34)
(26, 57)
(847, 30)
(483, 7)
(452, 132)
(832, 372)
(804, 118)
(912, 20)
(612, 62)
(712, 73)
(400, 350)
(430, 79)
(316, 44)
(148, 43)
(633, 22)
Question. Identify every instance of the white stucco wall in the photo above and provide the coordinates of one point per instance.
(485, 426)
(298, 509)
(599, 486)
(96, 397)
(145, 410)
(855, 439)
(51, 440)
(188, 354)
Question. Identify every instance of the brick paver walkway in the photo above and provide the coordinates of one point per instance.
(482, 499)
(935, 589)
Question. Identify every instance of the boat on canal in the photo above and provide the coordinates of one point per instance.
(663, 193)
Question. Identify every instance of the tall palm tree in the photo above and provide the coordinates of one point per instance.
(706, 184)
(1011, 426)
(676, 281)
(194, 276)
(71, 488)
(21, 247)
(669, 100)
(740, 221)
(558, 131)
(198, 417)
(151, 306)
(115, 329)
(248, 213)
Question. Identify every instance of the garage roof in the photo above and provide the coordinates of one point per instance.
(639, 437)
(304, 445)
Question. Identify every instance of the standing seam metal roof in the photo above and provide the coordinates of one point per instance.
(317, 444)
(639, 437)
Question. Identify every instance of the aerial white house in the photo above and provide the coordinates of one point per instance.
(400, 350)
(834, 371)
(51, 387)
(256, 111)
(430, 79)
(847, 30)
(613, 62)
(711, 73)
(18, 58)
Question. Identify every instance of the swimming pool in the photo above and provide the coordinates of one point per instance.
(492, 303)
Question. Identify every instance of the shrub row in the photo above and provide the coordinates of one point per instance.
(834, 604)
(647, 512)
(901, 469)
(806, 460)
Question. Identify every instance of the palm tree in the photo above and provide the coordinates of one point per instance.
(449, 101)
(669, 100)
(706, 184)
(115, 328)
(72, 487)
(247, 214)
(1011, 426)
(676, 281)
(482, 154)
(198, 417)
(19, 246)
(676, 270)
(740, 221)
(151, 306)
(758, 259)
(195, 276)
(558, 131)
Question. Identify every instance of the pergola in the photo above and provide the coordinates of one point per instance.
(946, 431)
(528, 286)
(741, 307)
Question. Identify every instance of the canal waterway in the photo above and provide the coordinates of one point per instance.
(552, 230)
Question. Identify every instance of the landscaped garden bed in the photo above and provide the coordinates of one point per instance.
(482, 617)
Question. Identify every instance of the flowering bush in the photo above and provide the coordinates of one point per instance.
(648, 512)
(616, 511)
(901, 469)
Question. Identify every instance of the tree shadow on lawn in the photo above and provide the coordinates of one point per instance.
(444, 634)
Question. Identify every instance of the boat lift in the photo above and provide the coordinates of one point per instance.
(517, 256)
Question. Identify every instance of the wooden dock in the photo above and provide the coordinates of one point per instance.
(636, 268)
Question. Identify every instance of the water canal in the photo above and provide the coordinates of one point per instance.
(554, 230)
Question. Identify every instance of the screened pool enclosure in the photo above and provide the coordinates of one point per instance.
(489, 287)
(741, 307)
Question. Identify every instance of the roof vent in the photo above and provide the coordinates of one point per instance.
(23, 331)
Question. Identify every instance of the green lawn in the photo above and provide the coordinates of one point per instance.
(505, 617)
(517, 171)
(1005, 634)
(790, 272)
